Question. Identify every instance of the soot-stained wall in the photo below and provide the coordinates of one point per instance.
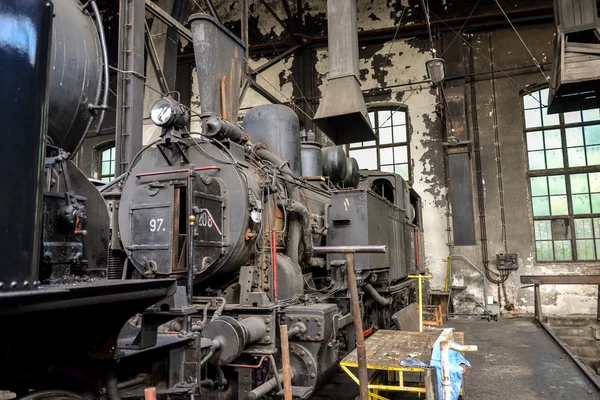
(489, 68)
(392, 72)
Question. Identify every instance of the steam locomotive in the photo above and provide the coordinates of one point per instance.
(206, 246)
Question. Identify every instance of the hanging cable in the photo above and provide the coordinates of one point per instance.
(526, 91)
(461, 28)
(535, 61)
(426, 11)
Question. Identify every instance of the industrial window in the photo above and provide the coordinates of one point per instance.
(390, 152)
(563, 152)
(106, 164)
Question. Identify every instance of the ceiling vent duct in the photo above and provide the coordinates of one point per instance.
(342, 114)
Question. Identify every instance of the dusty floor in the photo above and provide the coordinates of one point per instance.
(517, 360)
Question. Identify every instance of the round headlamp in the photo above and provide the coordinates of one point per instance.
(163, 112)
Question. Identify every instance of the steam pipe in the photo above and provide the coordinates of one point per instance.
(112, 386)
(370, 290)
(294, 194)
(266, 387)
(104, 104)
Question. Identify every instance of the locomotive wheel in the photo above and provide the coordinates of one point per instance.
(51, 394)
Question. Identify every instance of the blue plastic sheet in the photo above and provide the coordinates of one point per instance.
(456, 369)
(412, 363)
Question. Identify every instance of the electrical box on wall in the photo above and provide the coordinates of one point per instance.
(507, 261)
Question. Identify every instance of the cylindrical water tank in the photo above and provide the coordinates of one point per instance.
(276, 126)
(352, 177)
(334, 163)
(312, 165)
(75, 74)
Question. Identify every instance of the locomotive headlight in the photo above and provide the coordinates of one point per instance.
(163, 112)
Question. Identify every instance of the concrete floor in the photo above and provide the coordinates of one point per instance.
(517, 360)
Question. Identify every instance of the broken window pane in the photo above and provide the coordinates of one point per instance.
(561, 229)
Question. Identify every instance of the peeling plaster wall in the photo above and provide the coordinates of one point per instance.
(391, 73)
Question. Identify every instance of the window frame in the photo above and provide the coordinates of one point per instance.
(98, 150)
(393, 108)
(566, 172)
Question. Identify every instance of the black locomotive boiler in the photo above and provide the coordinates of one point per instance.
(216, 232)
(228, 214)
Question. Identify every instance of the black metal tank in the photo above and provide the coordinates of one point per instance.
(24, 51)
(75, 74)
(276, 126)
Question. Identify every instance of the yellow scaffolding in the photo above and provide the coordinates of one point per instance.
(385, 350)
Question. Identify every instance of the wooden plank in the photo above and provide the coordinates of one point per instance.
(579, 76)
(589, 46)
(386, 348)
(572, 66)
(431, 387)
(560, 279)
(408, 318)
(578, 57)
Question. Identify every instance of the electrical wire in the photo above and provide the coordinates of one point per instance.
(535, 61)
(461, 28)
(527, 91)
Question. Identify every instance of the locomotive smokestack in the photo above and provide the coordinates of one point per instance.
(219, 58)
(342, 114)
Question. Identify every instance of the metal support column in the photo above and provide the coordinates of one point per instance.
(130, 84)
